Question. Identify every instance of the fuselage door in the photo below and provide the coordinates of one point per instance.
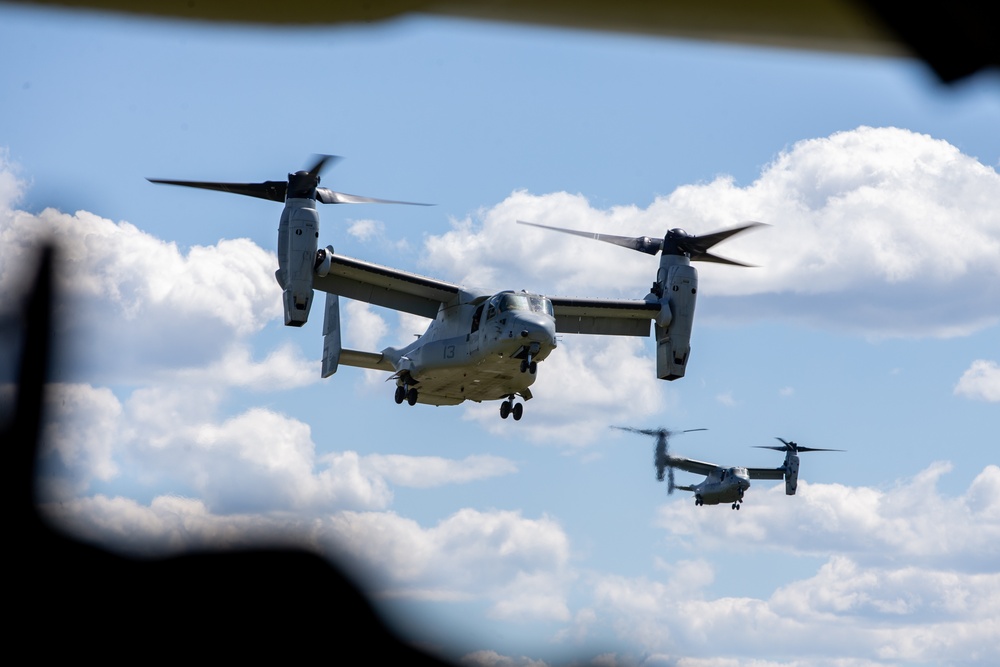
(474, 332)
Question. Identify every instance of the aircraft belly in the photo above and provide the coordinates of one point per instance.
(716, 496)
(492, 378)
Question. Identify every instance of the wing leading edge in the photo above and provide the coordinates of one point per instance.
(766, 473)
(609, 317)
(691, 465)
(383, 286)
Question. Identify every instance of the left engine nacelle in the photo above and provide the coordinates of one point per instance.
(679, 289)
(298, 237)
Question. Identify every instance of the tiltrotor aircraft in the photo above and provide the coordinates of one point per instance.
(480, 345)
(723, 484)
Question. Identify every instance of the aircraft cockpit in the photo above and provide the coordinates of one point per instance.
(523, 301)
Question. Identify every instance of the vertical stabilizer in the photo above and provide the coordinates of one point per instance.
(331, 335)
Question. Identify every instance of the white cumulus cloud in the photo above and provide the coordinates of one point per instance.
(912, 520)
(423, 472)
(981, 381)
(130, 302)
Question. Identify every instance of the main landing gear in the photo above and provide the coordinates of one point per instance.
(404, 392)
(509, 407)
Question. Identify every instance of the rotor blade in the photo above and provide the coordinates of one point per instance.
(697, 246)
(670, 480)
(656, 431)
(270, 190)
(718, 259)
(792, 446)
(644, 431)
(660, 455)
(321, 162)
(798, 449)
(641, 243)
(326, 196)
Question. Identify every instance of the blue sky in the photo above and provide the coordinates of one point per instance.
(186, 414)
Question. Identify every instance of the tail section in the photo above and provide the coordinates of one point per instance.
(331, 335)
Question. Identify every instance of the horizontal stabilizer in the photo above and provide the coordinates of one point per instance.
(374, 360)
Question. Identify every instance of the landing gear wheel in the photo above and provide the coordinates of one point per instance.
(505, 410)
(400, 394)
(411, 396)
(533, 367)
(517, 411)
(524, 365)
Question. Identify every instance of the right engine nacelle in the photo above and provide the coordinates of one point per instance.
(791, 473)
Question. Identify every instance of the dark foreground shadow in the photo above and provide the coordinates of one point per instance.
(71, 598)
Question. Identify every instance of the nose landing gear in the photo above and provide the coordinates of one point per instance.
(529, 365)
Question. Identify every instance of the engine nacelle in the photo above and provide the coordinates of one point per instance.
(298, 234)
(324, 259)
(791, 473)
(679, 286)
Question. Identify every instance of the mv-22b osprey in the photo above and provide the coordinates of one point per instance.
(480, 345)
(722, 484)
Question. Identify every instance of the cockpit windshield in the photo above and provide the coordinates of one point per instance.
(532, 302)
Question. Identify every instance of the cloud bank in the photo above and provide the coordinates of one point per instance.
(880, 232)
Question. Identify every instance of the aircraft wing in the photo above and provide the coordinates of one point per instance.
(766, 473)
(609, 317)
(383, 286)
(690, 465)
